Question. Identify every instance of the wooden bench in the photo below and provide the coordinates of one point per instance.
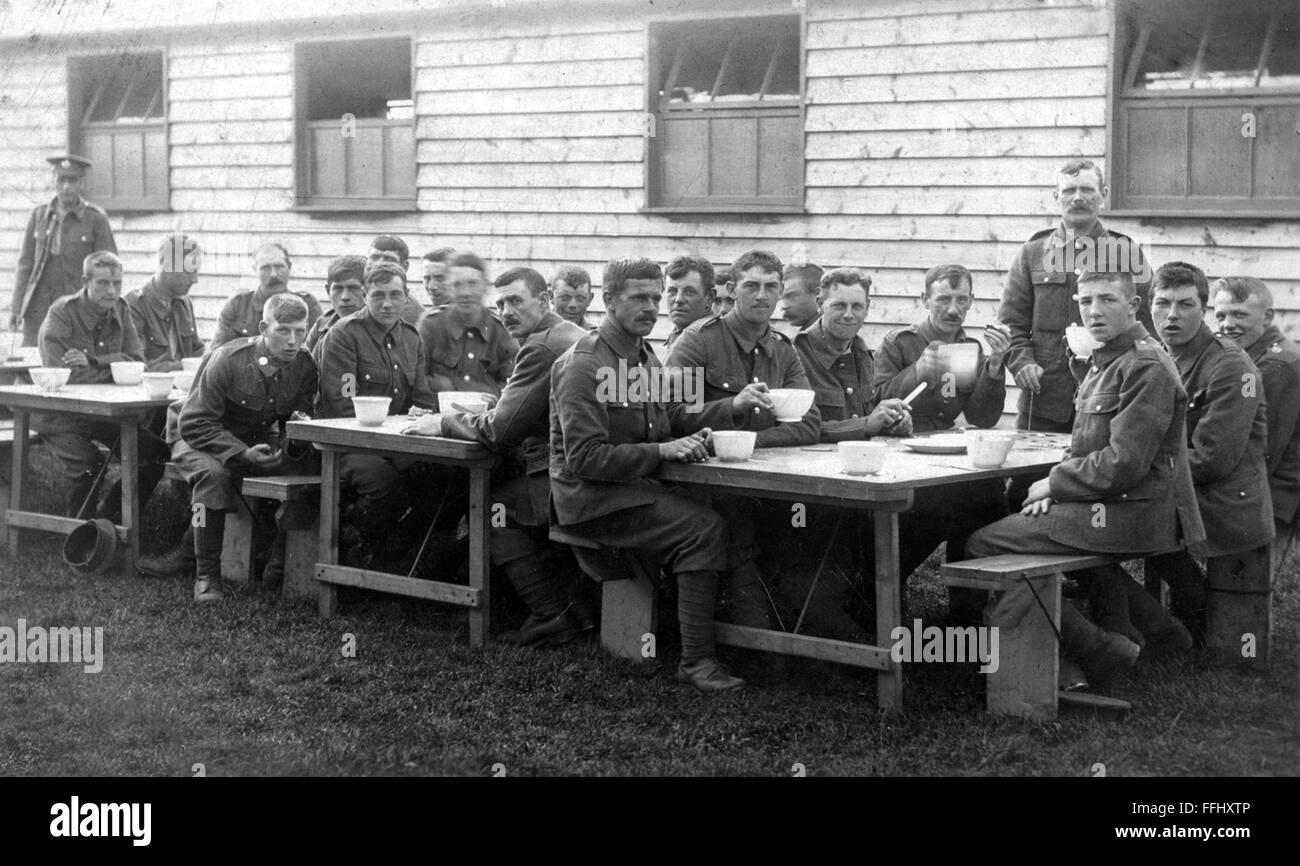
(301, 524)
(627, 593)
(1027, 680)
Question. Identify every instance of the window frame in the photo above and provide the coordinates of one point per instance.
(161, 203)
(650, 159)
(302, 199)
(1122, 94)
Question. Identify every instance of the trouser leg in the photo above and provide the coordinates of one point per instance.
(1188, 589)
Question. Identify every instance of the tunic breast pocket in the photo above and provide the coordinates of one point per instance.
(1097, 410)
(249, 402)
(1051, 302)
(720, 380)
(626, 424)
(374, 379)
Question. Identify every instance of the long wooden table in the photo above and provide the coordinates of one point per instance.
(127, 405)
(337, 436)
(812, 474)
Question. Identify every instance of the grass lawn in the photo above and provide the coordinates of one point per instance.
(259, 686)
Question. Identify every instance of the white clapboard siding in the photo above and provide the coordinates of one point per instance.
(932, 134)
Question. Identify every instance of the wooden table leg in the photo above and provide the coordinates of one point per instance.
(479, 561)
(889, 684)
(130, 493)
(328, 593)
(19, 473)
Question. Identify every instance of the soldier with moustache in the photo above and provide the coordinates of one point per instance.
(518, 429)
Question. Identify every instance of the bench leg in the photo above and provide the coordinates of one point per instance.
(1026, 681)
(1239, 609)
(300, 523)
(627, 614)
(237, 548)
(327, 594)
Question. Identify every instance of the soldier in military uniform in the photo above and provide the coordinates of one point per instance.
(162, 310)
(571, 294)
(690, 293)
(242, 314)
(840, 369)
(87, 332)
(604, 456)
(58, 237)
(1227, 430)
(392, 249)
(1125, 489)
(518, 429)
(433, 268)
(742, 358)
(347, 293)
(1244, 309)
(231, 426)
(466, 346)
(375, 352)
(800, 287)
(1037, 300)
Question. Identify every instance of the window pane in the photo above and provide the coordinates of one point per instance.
(109, 98)
(1282, 66)
(702, 47)
(1232, 49)
(359, 78)
(1232, 54)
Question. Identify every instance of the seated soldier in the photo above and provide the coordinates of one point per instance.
(87, 332)
(1244, 309)
(518, 427)
(161, 309)
(466, 346)
(801, 286)
(1125, 488)
(347, 294)
(571, 292)
(604, 455)
(433, 268)
(1227, 428)
(911, 356)
(741, 358)
(226, 430)
(392, 249)
(724, 297)
(840, 368)
(376, 352)
(690, 293)
(242, 314)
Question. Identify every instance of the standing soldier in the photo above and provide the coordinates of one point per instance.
(58, 238)
(1037, 300)
(242, 314)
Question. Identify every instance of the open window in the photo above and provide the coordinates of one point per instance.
(1208, 107)
(118, 107)
(355, 125)
(727, 123)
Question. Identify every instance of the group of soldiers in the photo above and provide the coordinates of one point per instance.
(1186, 437)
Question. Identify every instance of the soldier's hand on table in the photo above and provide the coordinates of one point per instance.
(75, 358)
(262, 456)
(1028, 377)
(889, 414)
(688, 449)
(752, 396)
(426, 424)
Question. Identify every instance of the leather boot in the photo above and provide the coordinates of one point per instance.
(1108, 597)
(537, 632)
(207, 555)
(76, 504)
(1100, 653)
(708, 675)
(1188, 590)
(549, 622)
(178, 562)
(749, 604)
(273, 573)
(1165, 635)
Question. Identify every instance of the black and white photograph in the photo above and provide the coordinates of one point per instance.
(651, 388)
